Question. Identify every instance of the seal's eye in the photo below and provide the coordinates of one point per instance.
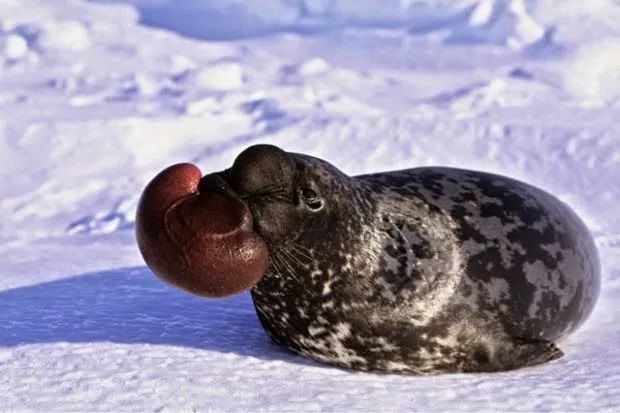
(311, 198)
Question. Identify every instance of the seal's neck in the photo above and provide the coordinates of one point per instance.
(319, 277)
(328, 256)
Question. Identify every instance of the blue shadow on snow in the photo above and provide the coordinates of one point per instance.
(131, 306)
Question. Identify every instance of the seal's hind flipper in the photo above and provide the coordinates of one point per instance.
(527, 352)
(538, 351)
(510, 354)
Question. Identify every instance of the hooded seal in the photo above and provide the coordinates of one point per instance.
(419, 271)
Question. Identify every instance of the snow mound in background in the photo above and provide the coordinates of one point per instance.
(503, 22)
(17, 12)
(593, 73)
(513, 23)
(577, 21)
(506, 23)
(30, 28)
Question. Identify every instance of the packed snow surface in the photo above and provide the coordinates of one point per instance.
(96, 98)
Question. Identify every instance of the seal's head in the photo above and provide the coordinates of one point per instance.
(212, 235)
(290, 196)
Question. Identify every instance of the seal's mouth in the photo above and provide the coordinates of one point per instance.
(197, 234)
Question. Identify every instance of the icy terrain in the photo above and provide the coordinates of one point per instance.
(97, 97)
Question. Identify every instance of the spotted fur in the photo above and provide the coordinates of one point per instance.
(428, 270)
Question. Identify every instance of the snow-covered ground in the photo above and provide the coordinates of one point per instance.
(96, 98)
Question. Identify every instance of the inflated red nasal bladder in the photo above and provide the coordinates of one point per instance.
(199, 241)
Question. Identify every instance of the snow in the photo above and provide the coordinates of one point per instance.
(97, 98)
(15, 47)
(221, 76)
(593, 74)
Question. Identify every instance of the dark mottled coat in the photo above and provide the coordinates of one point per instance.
(428, 270)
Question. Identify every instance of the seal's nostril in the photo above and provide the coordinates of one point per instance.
(213, 183)
(206, 184)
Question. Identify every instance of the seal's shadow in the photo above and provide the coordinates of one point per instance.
(131, 306)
